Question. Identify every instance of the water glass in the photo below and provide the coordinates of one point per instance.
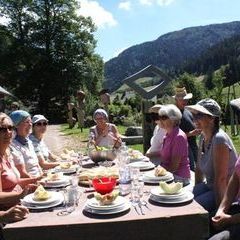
(135, 197)
(134, 173)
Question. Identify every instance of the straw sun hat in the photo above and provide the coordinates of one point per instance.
(181, 93)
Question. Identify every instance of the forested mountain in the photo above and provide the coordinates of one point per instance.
(169, 52)
(225, 53)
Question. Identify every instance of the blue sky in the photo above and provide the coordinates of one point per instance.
(124, 23)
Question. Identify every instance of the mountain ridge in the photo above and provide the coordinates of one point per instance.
(168, 52)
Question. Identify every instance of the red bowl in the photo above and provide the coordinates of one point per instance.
(104, 185)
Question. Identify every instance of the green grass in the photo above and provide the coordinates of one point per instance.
(83, 136)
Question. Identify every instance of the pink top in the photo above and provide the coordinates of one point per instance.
(9, 175)
(176, 144)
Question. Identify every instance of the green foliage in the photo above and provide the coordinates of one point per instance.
(51, 54)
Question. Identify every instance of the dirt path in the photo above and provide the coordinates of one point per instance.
(56, 141)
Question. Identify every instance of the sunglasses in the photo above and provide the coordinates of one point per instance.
(198, 116)
(163, 117)
(7, 128)
(41, 124)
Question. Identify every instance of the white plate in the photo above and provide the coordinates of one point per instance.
(55, 196)
(63, 179)
(146, 180)
(186, 198)
(151, 176)
(142, 165)
(32, 206)
(93, 203)
(72, 169)
(123, 208)
(158, 192)
(47, 185)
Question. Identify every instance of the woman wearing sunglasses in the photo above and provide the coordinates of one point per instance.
(174, 152)
(25, 158)
(47, 160)
(216, 155)
(12, 186)
(158, 134)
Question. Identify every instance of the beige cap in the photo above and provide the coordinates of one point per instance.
(181, 93)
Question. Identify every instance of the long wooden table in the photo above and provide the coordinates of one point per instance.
(189, 221)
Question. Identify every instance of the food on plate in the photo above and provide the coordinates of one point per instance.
(54, 176)
(65, 165)
(66, 154)
(134, 154)
(160, 171)
(171, 188)
(41, 194)
(107, 198)
(99, 172)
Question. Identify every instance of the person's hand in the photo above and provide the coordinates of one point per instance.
(221, 220)
(14, 214)
(194, 132)
(29, 188)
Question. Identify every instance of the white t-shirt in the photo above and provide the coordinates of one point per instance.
(157, 139)
(25, 154)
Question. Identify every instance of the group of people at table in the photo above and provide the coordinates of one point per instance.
(24, 156)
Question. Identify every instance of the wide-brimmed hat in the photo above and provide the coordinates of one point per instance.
(155, 108)
(206, 106)
(38, 118)
(181, 93)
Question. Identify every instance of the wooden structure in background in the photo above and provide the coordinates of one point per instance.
(133, 81)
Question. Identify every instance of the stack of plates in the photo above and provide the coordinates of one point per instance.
(55, 200)
(63, 182)
(143, 165)
(120, 204)
(149, 177)
(157, 195)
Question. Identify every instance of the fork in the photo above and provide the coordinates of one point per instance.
(145, 204)
(140, 207)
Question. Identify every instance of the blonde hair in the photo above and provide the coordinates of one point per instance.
(4, 116)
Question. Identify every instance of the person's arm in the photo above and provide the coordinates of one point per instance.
(52, 157)
(46, 165)
(23, 171)
(13, 214)
(116, 136)
(222, 219)
(221, 157)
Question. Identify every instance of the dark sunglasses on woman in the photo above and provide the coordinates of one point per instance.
(4, 129)
(41, 124)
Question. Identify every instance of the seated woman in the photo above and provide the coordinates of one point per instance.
(46, 159)
(12, 187)
(104, 134)
(216, 157)
(174, 152)
(158, 134)
(25, 158)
